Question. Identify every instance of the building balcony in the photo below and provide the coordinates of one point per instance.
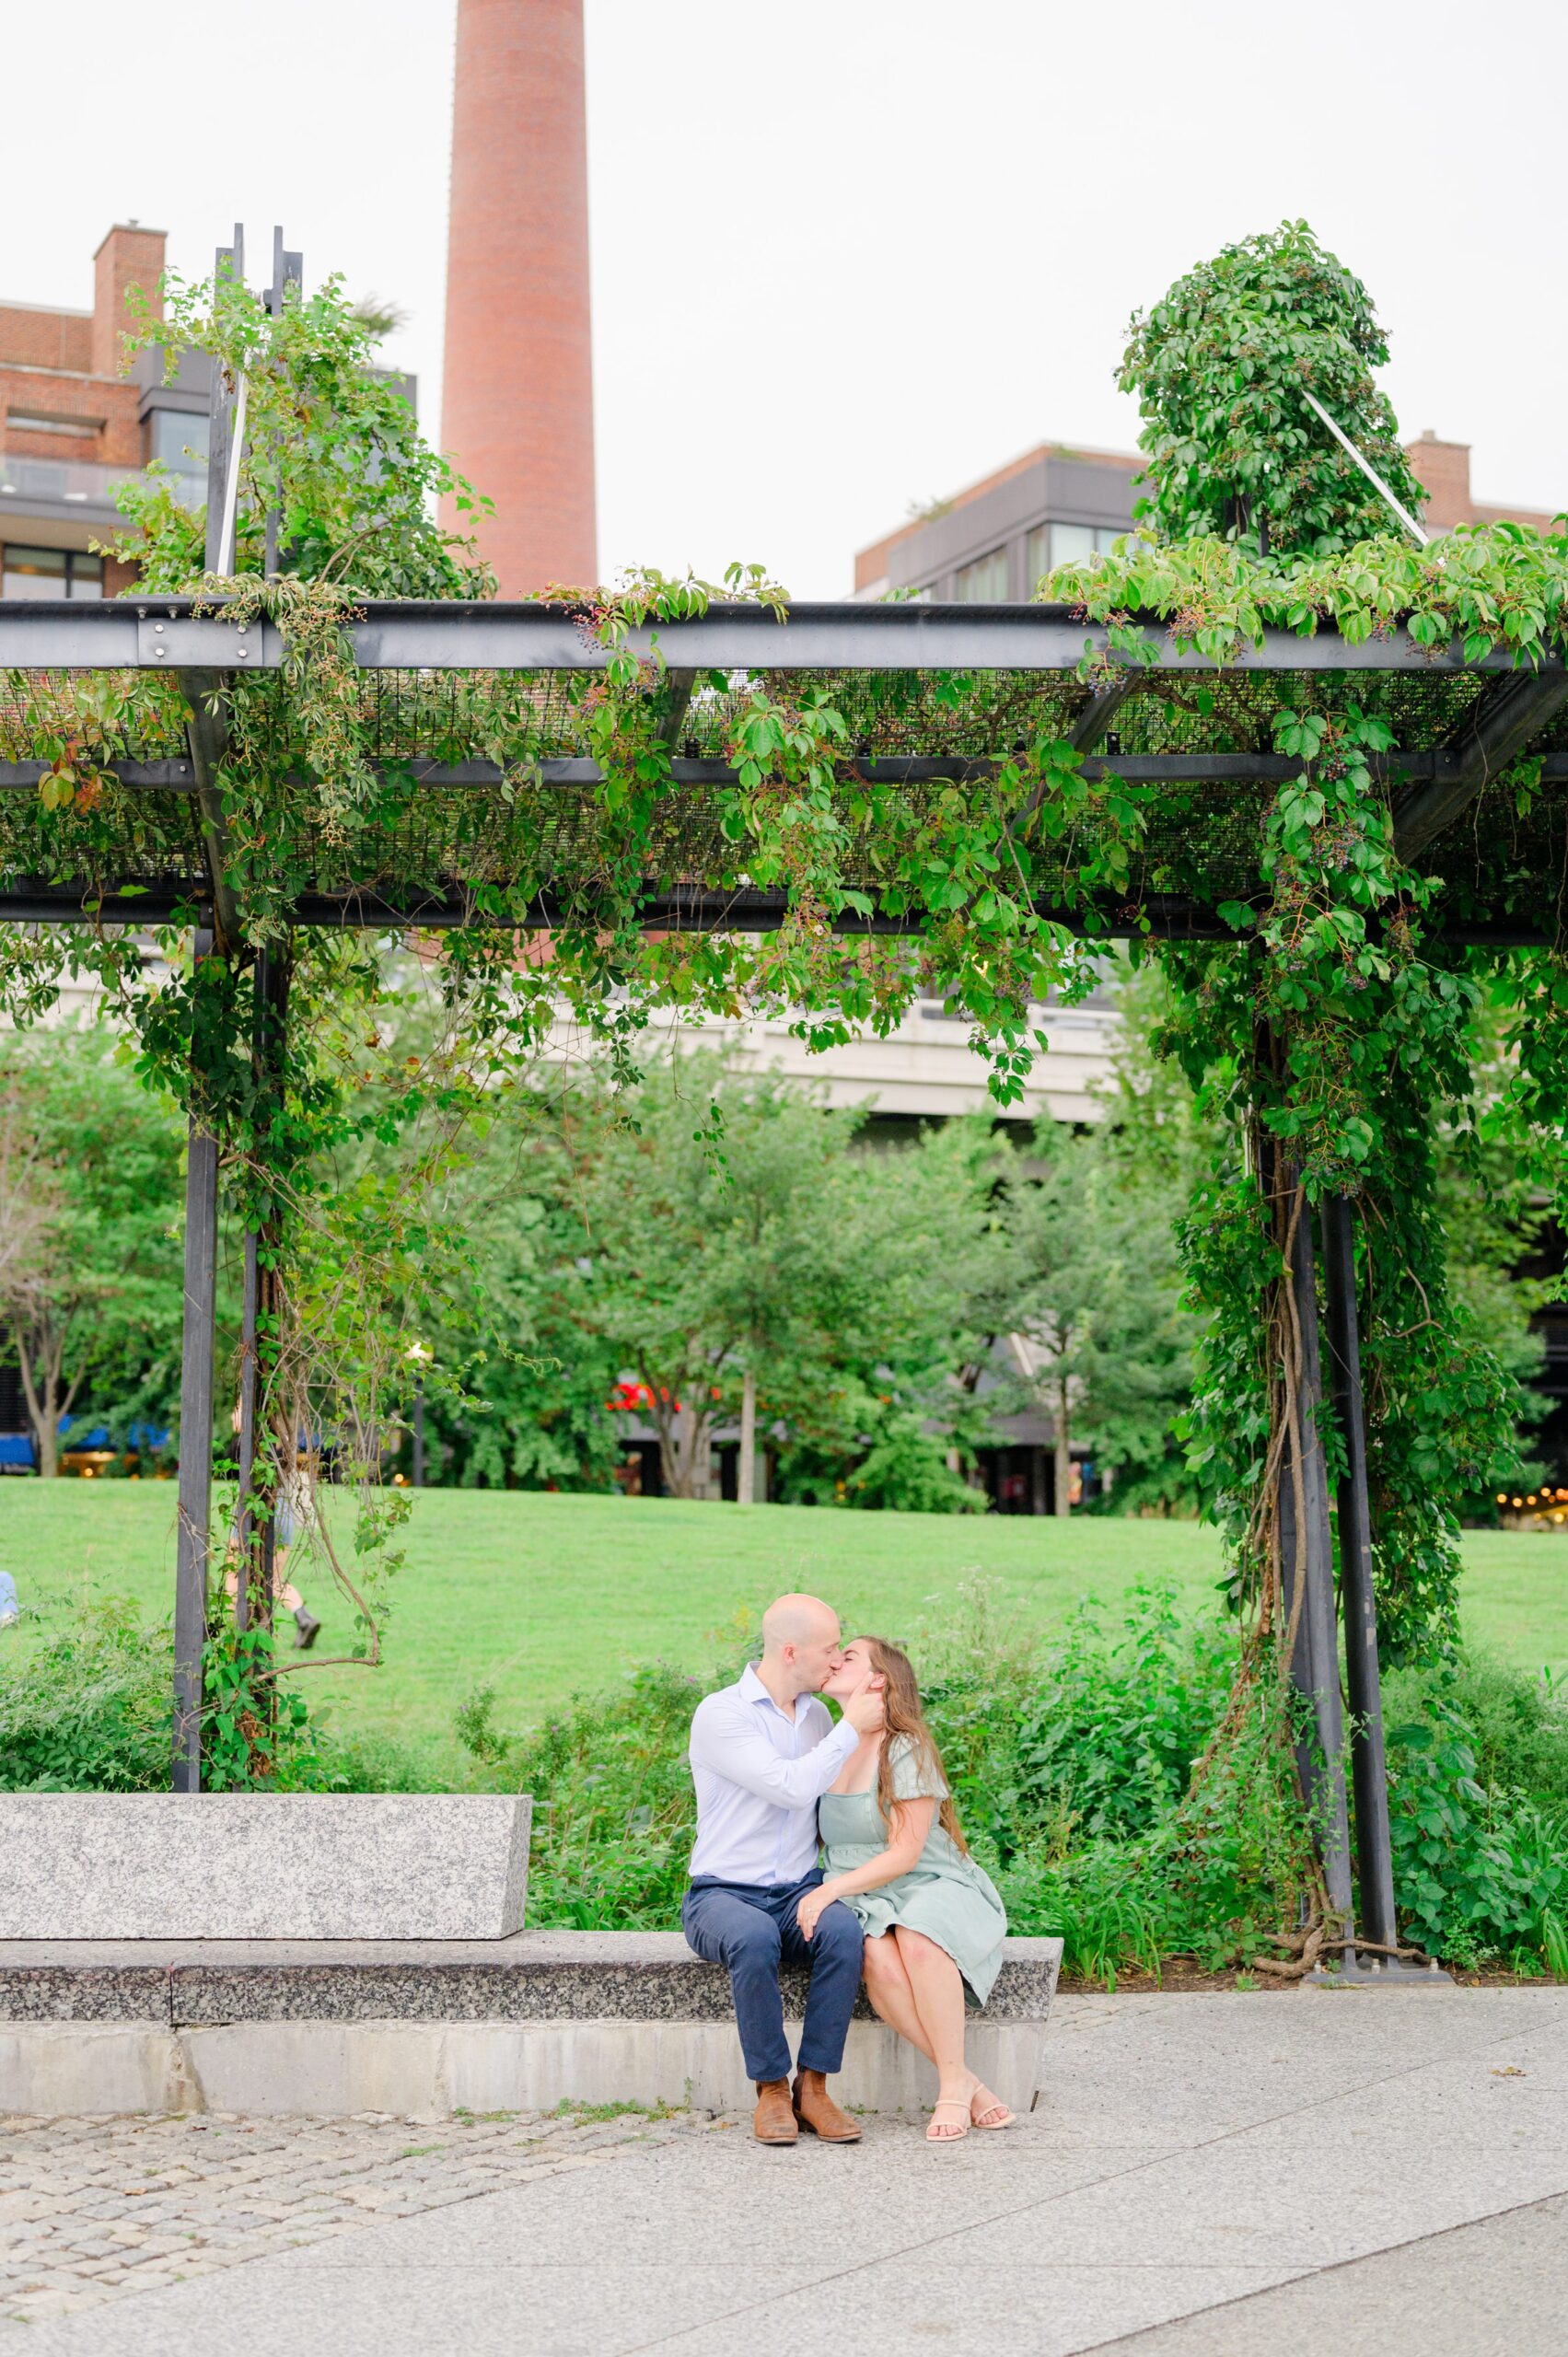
(62, 491)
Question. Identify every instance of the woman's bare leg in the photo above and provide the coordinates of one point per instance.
(888, 1986)
(938, 1988)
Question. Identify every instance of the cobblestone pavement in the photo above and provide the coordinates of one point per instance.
(93, 2210)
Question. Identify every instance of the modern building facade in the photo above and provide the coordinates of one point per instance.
(991, 542)
(73, 424)
(926, 1071)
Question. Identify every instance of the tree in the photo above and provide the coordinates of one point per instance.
(890, 1419)
(30, 1195)
(741, 1253)
(1331, 1036)
(712, 1253)
(1220, 365)
(89, 1269)
(1089, 1291)
(520, 1384)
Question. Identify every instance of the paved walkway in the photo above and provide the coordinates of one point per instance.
(1204, 2177)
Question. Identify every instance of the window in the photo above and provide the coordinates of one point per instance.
(178, 438)
(52, 572)
(42, 421)
(1049, 545)
(983, 583)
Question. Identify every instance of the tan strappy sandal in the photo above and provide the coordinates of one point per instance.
(994, 2116)
(935, 2135)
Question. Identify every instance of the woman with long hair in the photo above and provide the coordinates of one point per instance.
(894, 1854)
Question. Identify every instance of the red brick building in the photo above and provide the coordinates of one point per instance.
(74, 423)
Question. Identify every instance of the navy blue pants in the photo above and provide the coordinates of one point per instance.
(751, 1930)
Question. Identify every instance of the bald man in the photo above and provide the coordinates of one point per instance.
(764, 1752)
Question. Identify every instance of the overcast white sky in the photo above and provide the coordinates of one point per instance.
(849, 254)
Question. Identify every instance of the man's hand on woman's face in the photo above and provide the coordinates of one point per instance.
(863, 1709)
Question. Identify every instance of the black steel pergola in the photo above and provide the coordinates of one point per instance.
(1194, 731)
(1458, 726)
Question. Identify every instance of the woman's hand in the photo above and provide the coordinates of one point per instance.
(809, 1911)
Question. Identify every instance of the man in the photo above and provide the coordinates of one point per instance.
(764, 1752)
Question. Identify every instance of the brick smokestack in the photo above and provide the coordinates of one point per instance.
(518, 404)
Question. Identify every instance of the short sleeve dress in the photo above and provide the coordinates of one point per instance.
(943, 1893)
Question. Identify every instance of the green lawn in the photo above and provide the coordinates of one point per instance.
(541, 1594)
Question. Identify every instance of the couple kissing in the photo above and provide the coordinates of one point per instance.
(897, 1896)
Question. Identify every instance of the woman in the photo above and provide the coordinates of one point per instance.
(288, 1510)
(893, 1853)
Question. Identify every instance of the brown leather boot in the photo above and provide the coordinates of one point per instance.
(819, 2115)
(773, 2121)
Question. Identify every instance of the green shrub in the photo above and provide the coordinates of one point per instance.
(614, 1811)
(87, 1709)
(1481, 1872)
(1071, 1761)
(1516, 1725)
(1068, 1761)
(1092, 1735)
(1478, 1760)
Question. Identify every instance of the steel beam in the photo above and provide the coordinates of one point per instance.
(193, 1536)
(1440, 768)
(1090, 728)
(288, 270)
(904, 637)
(47, 900)
(145, 633)
(456, 635)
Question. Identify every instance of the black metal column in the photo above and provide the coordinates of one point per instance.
(1374, 1855)
(245, 1529)
(256, 1524)
(193, 1534)
(288, 270)
(1315, 1664)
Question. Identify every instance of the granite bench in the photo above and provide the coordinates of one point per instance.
(428, 2028)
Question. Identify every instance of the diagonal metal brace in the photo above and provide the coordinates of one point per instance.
(1517, 709)
(1090, 728)
(677, 697)
(1100, 710)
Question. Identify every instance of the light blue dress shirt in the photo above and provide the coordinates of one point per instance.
(759, 1774)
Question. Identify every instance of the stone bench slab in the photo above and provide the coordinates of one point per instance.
(148, 1867)
(557, 1976)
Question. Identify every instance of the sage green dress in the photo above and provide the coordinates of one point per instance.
(944, 1894)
